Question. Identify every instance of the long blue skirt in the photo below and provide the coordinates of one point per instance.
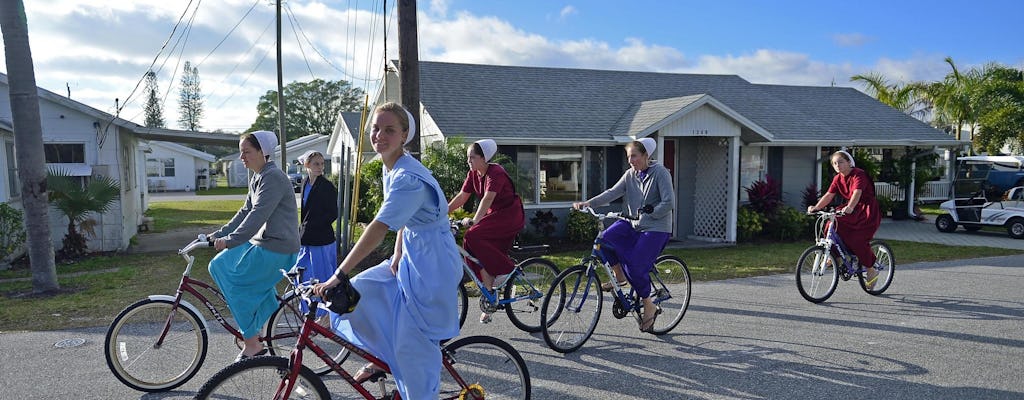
(246, 275)
(320, 263)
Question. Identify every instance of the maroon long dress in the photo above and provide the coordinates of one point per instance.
(490, 239)
(857, 229)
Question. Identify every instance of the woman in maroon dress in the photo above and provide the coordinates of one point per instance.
(497, 220)
(863, 215)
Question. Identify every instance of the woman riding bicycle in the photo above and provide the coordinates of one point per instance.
(863, 215)
(408, 302)
(499, 216)
(638, 243)
(261, 238)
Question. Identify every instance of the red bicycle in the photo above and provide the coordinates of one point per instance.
(159, 343)
(474, 367)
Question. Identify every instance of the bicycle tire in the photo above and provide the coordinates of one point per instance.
(534, 274)
(286, 323)
(672, 303)
(822, 270)
(884, 257)
(570, 317)
(463, 304)
(260, 378)
(128, 345)
(489, 366)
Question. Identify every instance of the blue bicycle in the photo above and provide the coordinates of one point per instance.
(519, 294)
(573, 304)
(816, 274)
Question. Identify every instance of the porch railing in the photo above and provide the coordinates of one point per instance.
(932, 191)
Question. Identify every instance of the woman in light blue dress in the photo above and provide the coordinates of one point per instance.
(409, 301)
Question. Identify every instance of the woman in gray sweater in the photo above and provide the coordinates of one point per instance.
(638, 243)
(260, 239)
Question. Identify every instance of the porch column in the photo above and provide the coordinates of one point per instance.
(734, 162)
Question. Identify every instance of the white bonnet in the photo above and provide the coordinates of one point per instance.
(649, 145)
(305, 156)
(267, 141)
(848, 157)
(412, 125)
(488, 147)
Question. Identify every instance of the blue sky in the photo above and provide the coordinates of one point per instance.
(100, 49)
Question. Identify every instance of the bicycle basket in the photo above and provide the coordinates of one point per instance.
(343, 298)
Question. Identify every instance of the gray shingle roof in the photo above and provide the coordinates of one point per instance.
(505, 102)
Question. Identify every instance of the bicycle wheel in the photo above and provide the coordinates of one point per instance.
(816, 274)
(463, 304)
(133, 355)
(670, 270)
(570, 316)
(533, 278)
(887, 261)
(283, 332)
(489, 367)
(261, 378)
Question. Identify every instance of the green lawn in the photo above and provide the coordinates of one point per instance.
(96, 289)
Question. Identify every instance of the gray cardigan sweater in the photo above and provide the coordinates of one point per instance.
(269, 217)
(654, 189)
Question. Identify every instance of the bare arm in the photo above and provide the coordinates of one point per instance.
(485, 204)
(827, 198)
(854, 199)
(458, 201)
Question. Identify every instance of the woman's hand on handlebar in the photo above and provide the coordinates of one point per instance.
(581, 205)
(321, 288)
(811, 209)
(220, 244)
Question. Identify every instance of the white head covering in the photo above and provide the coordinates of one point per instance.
(305, 156)
(489, 148)
(849, 157)
(267, 141)
(412, 125)
(649, 145)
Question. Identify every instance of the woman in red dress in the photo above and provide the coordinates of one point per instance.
(863, 215)
(497, 220)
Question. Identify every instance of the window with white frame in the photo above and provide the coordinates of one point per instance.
(64, 153)
(561, 177)
(168, 166)
(12, 169)
(752, 166)
(154, 167)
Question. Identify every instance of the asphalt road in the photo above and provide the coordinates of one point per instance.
(950, 330)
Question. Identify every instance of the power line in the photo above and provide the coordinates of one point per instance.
(245, 56)
(230, 32)
(155, 58)
(294, 23)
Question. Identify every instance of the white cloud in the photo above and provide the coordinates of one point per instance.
(566, 12)
(851, 39)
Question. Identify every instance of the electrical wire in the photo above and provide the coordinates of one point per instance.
(227, 35)
(155, 58)
(302, 50)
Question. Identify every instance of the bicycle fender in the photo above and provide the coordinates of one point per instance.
(182, 303)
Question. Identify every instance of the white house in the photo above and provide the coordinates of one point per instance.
(89, 143)
(565, 128)
(175, 167)
(238, 176)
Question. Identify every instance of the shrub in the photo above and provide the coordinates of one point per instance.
(885, 204)
(12, 230)
(581, 227)
(790, 224)
(765, 196)
(749, 223)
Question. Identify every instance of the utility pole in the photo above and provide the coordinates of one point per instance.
(280, 98)
(409, 67)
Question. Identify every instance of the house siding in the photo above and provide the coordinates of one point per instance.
(797, 172)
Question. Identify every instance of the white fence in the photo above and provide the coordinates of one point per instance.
(933, 190)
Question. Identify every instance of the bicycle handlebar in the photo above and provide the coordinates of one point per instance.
(610, 214)
(828, 213)
(201, 241)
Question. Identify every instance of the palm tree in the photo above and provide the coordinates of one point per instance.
(953, 99)
(908, 98)
(28, 142)
(77, 202)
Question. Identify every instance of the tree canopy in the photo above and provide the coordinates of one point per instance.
(310, 107)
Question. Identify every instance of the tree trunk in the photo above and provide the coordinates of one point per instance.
(28, 142)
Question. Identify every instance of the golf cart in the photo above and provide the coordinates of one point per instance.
(970, 206)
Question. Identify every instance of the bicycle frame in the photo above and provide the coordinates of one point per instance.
(830, 240)
(309, 326)
(492, 296)
(189, 285)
